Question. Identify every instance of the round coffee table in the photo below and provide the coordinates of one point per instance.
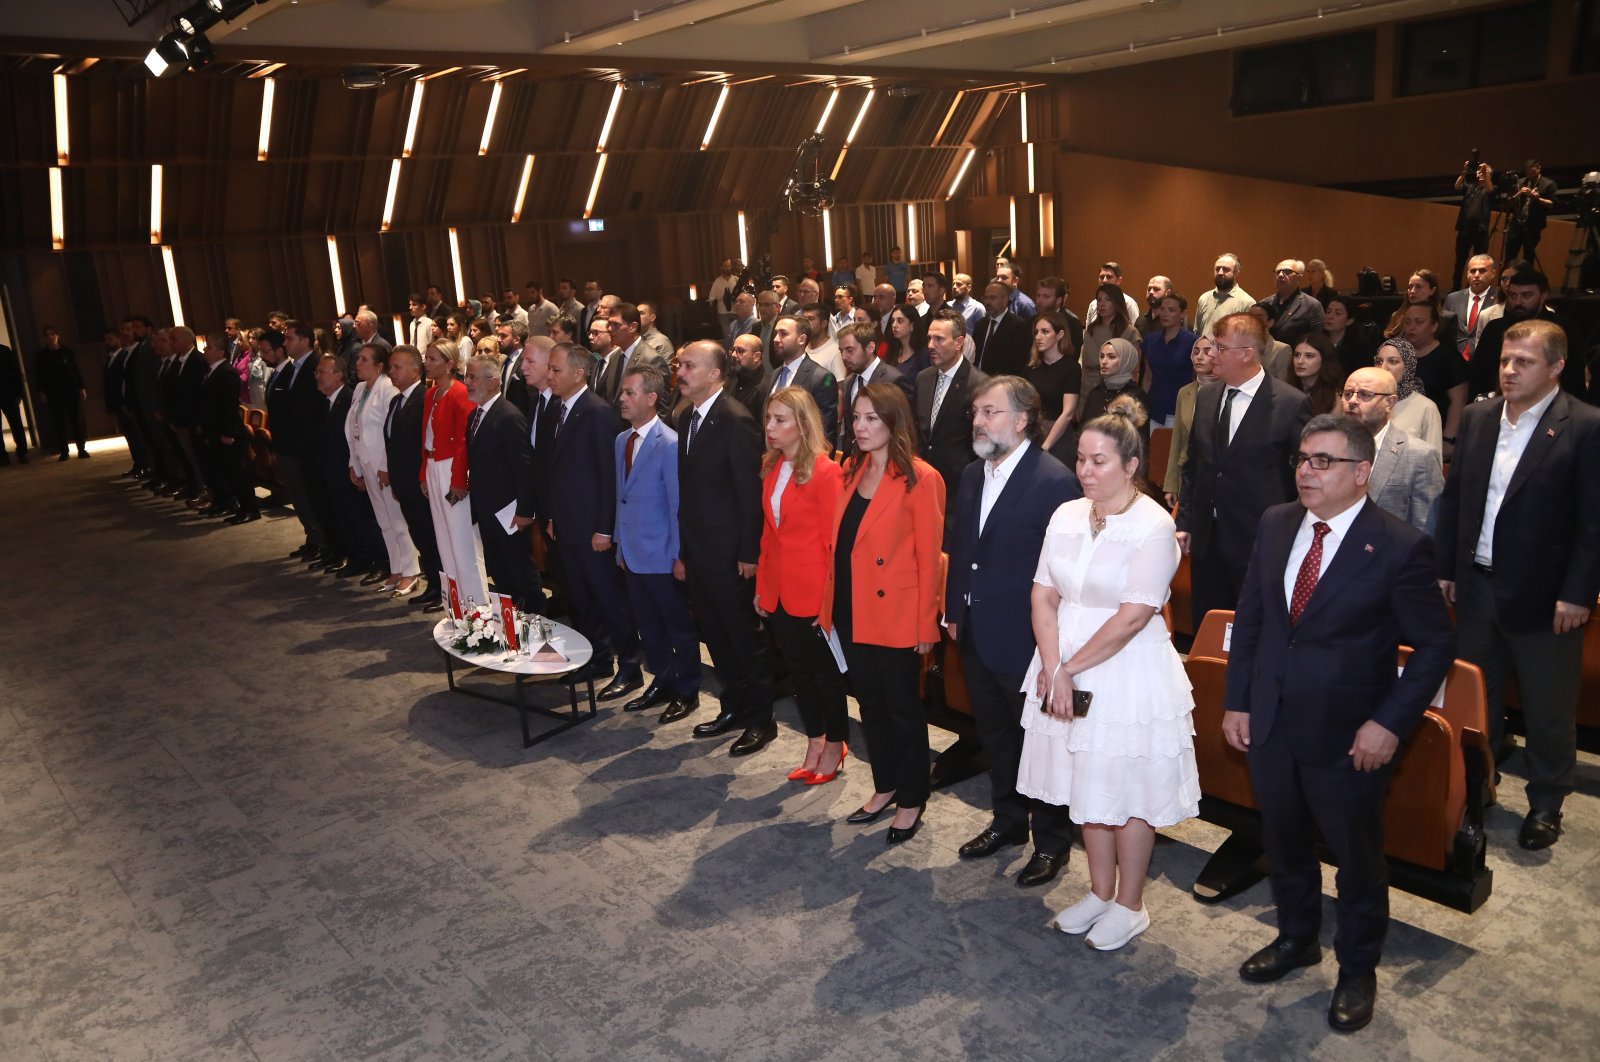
(574, 647)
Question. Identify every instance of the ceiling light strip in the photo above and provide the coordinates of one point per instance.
(488, 121)
(269, 88)
(522, 190)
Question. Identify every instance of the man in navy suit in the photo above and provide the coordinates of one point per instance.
(858, 349)
(1003, 508)
(790, 337)
(402, 434)
(500, 473)
(295, 412)
(581, 511)
(1334, 587)
(647, 544)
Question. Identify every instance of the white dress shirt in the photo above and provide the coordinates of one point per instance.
(994, 481)
(704, 409)
(1339, 527)
(1243, 395)
(1508, 450)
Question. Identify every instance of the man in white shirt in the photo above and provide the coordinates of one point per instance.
(653, 336)
(1472, 303)
(1110, 273)
(419, 330)
(822, 348)
(1227, 297)
(539, 310)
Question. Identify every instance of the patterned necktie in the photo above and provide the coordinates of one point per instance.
(1310, 571)
(1226, 422)
(783, 379)
(627, 454)
(561, 418)
(474, 421)
(939, 386)
(694, 428)
(388, 421)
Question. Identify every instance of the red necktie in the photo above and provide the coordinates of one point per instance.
(1310, 570)
(1472, 318)
(627, 455)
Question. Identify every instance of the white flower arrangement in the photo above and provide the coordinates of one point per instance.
(479, 630)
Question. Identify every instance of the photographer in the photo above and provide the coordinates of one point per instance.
(1472, 220)
(1527, 207)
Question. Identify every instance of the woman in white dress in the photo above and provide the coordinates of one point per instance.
(1124, 763)
(369, 467)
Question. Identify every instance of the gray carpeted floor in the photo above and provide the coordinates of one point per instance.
(241, 818)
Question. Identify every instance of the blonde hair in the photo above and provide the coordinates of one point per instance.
(487, 345)
(813, 440)
(1120, 423)
(450, 351)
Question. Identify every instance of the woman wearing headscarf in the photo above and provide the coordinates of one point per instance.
(1118, 364)
(1414, 412)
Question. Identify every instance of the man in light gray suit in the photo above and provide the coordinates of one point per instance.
(1407, 477)
(1471, 303)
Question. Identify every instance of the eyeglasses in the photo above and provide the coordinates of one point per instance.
(1219, 346)
(1286, 272)
(1365, 396)
(1321, 462)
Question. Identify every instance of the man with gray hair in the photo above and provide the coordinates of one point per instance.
(1293, 313)
(1002, 509)
(500, 471)
(1407, 477)
(1225, 298)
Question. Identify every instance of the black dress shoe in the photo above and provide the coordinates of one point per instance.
(991, 841)
(1041, 869)
(650, 698)
(862, 817)
(1278, 958)
(680, 708)
(242, 518)
(754, 739)
(621, 687)
(725, 722)
(374, 577)
(350, 569)
(1540, 829)
(1353, 997)
(433, 606)
(898, 836)
(330, 564)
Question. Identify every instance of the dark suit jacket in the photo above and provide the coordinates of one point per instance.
(115, 376)
(219, 405)
(191, 381)
(1241, 481)
(511, 385)
(751, 388)
(845, 438)
(542, 433)
(10, 377)
(56, 375)
(719, 488)
(1007, 353)
(947, 445)
(1483, 370)
(1311, 686)
(582, 499)
(990, 576)
(821, 385)
(404, 445)
(295, 410)
(143, 370)
(334, 450)
(500, 465)
(1547, 537)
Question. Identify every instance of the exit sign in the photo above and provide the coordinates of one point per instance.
(597, 224)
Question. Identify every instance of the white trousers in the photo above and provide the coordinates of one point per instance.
(460, 551)
(392, 522)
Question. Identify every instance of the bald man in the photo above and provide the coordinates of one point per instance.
(1407, 476)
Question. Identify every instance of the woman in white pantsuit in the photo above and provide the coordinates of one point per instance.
(363, 429)
(445, 410)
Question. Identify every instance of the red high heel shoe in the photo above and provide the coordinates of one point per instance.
(800, 774)
(821, 779)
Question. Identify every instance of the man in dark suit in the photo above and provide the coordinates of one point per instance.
(751, 379)
(118, 403)
(500, 470)
(359, 543)
(513, 336)
(581, 514)
(1003, 508)
(191, 370)
(744, 318)
(1535, 196)
(719, 539)
(402, 433)
(858, 349)
(295, 412)
(1246, 428)
(1526, 291)
(944, 406)
(222, 440)
(1000, 343)
(1470, 303)
(1335, 587)
(1519, 555)
(11, 394)
(790, 337)
(143, 394)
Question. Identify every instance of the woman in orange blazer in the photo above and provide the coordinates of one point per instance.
(882, 598)
(800, 503)
(445, 410)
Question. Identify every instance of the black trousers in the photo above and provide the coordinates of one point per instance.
(885, 682)
(724, 610)
(818, 685)
(1298, 800)
(997, 704)
(163, 448)
(133, 432)
(419, 521)
(1469, 242)
(297, 480)
(214, 468)
(66, 418)
(1215, 577)
(600, 600)
(12, 412)
(349, 508)
(509, 559)
(1549, 669)
(666, 631)
(1522, 243)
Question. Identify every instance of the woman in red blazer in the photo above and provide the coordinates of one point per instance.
(800, 503)
(445, 410)
(882, 598)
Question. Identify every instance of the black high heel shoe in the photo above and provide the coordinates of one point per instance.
(899, 836)
(862, 817)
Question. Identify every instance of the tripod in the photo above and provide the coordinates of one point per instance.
(1583, 257)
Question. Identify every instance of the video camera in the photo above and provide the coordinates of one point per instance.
(1586, 201)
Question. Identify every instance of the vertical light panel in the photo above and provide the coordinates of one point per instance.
(388, 200)
(63, 140)
(861, 115)
(155, 203)
(399, 329)
(337, 273)
(58, 220)
(827, 238)
(951, 113)
(1014, 225)
(411, 123)
(455, 265)
(744, 246)
(827, 111)
(488, 121)
(172, 284)
(694, 293)
(962, 172)
(268, 90)
(1047, 225)
(611, 116)
(594, 186)
(1031, 188)
(716, 113)
(911, 232)
(1022, 107)
(522, 190)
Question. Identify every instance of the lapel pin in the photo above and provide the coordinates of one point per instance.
(1550, 432)
(1369, 548)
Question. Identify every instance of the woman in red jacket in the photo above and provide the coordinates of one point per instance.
(800, 500)
(445, 410)
(882, 597)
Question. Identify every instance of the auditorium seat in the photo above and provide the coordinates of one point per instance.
(1181, 601)
(1212, 638)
